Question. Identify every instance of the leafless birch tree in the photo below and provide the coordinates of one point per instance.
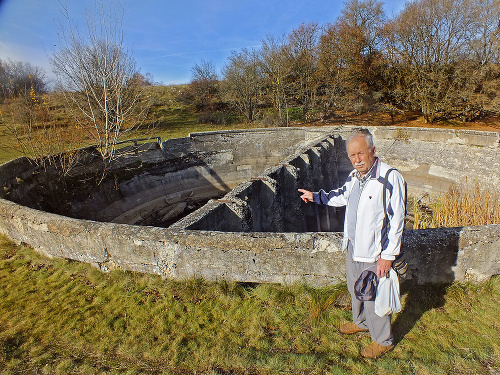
(96, 73)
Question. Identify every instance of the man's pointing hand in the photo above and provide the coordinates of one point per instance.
(307, 196)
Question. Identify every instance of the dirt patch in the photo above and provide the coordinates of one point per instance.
(408, 119)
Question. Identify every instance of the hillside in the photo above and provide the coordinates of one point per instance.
(172, 116)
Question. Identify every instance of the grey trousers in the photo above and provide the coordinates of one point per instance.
(363, 313)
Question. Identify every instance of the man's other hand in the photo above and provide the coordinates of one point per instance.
(383, 267)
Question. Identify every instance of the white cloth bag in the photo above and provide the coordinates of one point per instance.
(387, 300)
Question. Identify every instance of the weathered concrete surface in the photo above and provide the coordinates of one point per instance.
(314, 258)
(433, 159)
(434, 255)
(259, 231)
(444, 255)
(153, 184)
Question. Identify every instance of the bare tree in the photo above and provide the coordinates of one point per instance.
(425, 42)
(18, 78)
(351, 63)
(303, 48)
(29, 120)
(96, 74)
(144, 79)
(366, 18)
(485, 42)
(276, 65)
(481, 95)
(37, 135)
(243, 81)
(204, 83)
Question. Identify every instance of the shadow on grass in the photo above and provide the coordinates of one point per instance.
(419, 299)
(432, 257)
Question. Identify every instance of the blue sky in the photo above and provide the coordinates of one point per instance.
(167, 37)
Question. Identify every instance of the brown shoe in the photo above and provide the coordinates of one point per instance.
(350, 328)
(375, 350)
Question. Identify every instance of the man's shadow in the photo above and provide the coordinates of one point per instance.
(431, 255)
(419, 299)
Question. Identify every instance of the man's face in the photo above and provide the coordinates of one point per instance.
(362, 157)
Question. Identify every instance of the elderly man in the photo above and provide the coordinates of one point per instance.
(369, 237)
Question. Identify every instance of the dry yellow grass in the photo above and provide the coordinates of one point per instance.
(463, 205)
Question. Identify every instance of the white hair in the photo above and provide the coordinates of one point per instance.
(361, 131)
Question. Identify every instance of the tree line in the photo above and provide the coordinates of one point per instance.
(19, 78)
(436, 57)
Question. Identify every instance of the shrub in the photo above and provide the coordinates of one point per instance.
(294, 114)
(217, 118)
(270, 117)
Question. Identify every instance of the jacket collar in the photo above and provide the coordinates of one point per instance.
(373, 173)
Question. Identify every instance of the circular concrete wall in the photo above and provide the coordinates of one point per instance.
(254, 227)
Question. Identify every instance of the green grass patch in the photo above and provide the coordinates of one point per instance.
(59, 317)
(6, 151)
(169, 117)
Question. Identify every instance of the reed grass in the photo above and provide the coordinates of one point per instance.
(461, 205)
(64, 317)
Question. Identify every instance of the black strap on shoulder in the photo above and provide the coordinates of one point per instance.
(400, 265)
(384, 192)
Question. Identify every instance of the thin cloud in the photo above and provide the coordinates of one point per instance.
(198, 52)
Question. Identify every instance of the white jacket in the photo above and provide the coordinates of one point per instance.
(372, 239)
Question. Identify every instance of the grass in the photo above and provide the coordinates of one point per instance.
(7, 153)
(59, 317)
(461, 205)
(169, 117)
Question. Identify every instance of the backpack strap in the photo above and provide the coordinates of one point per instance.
(400, 265)
(384, 192)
